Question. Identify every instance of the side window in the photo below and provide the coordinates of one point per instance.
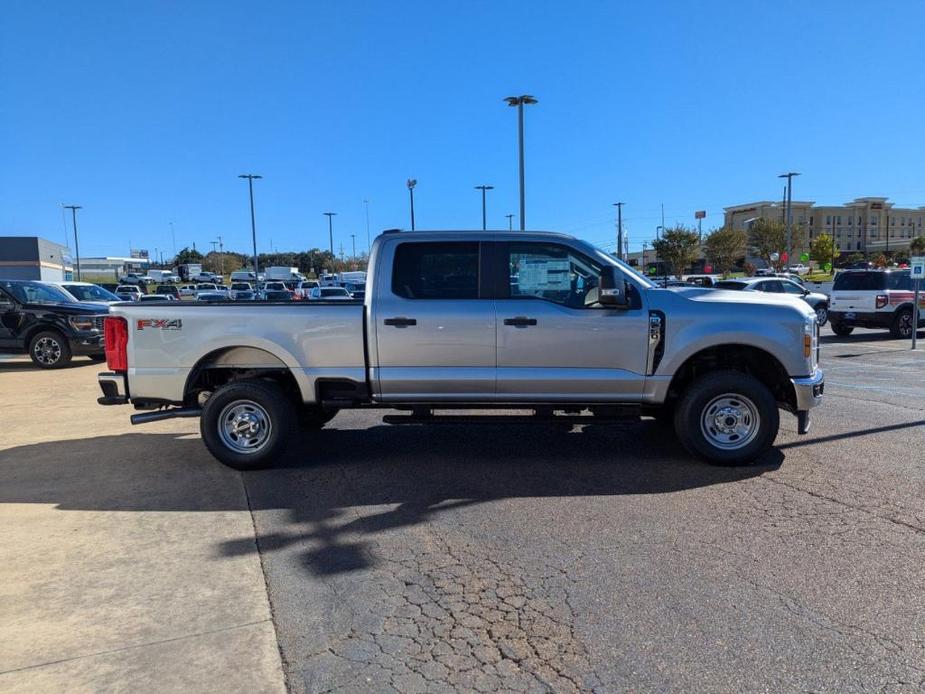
(771, 286)
(6, 303)
(553, 273)
(443, 270)
(791, 288)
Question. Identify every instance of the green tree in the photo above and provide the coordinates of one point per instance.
(222, 262)
(678, 248)
(767, 236)
(188, 256)
(724, 247)
(917, 247)
(822, 248)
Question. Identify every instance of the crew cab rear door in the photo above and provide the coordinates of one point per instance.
(9, 321)
(433, 323)
(555, 342)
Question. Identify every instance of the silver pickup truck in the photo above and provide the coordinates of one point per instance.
(474, 320)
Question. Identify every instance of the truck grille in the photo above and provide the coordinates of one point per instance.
(98, 322)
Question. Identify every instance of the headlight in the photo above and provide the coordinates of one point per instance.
(81, 322)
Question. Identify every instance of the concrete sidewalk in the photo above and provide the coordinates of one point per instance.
(112, 574)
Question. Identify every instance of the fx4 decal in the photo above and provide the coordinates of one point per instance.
(160, 323)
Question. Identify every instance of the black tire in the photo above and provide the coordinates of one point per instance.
(842, 330)
(49, 350)
(901, 327)
(313, 418)
(231, 408)
(745, 399)
(822, 314)
(97, 357)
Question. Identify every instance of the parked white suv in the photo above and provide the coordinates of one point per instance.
(873, 299)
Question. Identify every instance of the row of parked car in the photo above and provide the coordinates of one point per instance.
(305, 290)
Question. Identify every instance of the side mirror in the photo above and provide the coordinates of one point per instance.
(612, 288)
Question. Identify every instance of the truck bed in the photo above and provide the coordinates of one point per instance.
(315, 340)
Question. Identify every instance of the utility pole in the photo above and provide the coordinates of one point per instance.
(484, 188)
(353, 238)
(412, 182)
(173, 240)
(221, 253)
(330, 216)
(645, 245)
(73, 209)
(663, 216)
(789, 176)
(619, 206)
(250, 185)
(369, 245)
(510, 222)
(519, 102)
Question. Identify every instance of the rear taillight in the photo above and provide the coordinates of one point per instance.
(115, 340)
(882, 300)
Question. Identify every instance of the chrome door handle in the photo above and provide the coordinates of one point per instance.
(520, 321)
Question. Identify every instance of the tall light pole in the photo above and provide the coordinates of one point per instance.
(250, 186)
(510, 222)
(73, 209)
(173, 240)
(330, 216)
(221, 253)
(619, 206)
(789, 176)
(484, 188)
(369, 244)
(519, 102)
(353, 239)
(412, 182)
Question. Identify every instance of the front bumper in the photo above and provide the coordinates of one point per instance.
(808, 394)
(86, 343)
(115, 391)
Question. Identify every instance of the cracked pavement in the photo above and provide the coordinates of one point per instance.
(537, 557)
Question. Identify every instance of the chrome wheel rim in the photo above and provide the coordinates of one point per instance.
(822, 315)
(730, 421)
(47, 351)
(905, 325)
(244, 426)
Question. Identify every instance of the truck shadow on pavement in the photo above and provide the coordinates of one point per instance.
(27, 365)
(411, 473)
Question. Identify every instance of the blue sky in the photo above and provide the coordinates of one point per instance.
(145, 113)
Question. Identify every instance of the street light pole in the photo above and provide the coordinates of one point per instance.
(519, 102)
(510, 222)
(619, 206)
(173, 240)
(789, 176)
(73, 209)
(330, 216)
(369, 244)
(412, 182)
(221, 254)
(353, 239)
(250, 186)
(484, 188)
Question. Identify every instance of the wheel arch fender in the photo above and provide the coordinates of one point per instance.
(234, 360)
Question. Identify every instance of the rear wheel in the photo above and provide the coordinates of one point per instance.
(727, 418)
(247, 424)
(841, 329)
(902, 324)
(49, 350)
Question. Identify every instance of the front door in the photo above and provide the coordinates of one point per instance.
(555, 342)
(434, 323)
(9, 319)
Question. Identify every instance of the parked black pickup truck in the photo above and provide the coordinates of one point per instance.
(48, 325)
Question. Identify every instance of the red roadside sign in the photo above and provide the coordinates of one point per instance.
(700, 214)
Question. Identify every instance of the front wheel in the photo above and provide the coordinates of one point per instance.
(247, 425)
(49, 350)
(727, 418)
(822, 314)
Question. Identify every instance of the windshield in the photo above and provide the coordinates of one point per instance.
(338, 291)
(610, 260)
(37, 293)
(89, 292)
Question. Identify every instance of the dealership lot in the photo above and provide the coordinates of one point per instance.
(514, 556)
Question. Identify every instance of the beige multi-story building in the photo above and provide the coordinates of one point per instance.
(868, 225)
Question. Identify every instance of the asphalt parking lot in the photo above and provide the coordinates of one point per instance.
(495, 557)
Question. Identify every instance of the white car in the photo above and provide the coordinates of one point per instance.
(128, 292)
(240, 287)
(155, 297)
(87, 291)
(303, 289)
(799, 269)
(329, 294)
(187, 290)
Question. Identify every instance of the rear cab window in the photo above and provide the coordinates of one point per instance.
(436, 270)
